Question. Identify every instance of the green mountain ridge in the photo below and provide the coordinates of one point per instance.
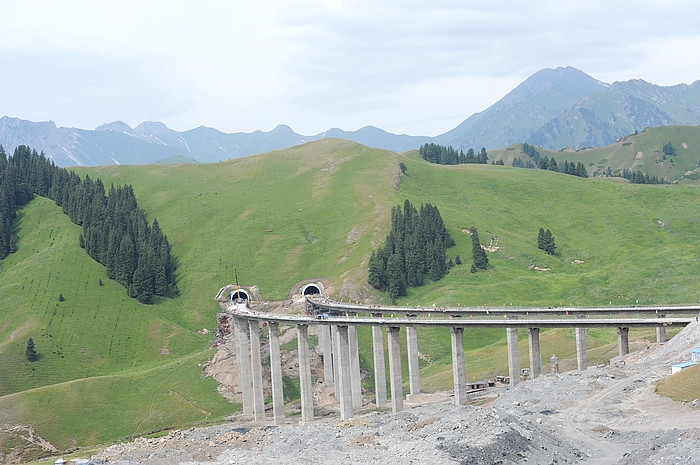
(111, 368)
(642, 151)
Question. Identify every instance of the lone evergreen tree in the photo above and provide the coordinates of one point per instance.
(548, 244)
(481, 261)
(32, 356)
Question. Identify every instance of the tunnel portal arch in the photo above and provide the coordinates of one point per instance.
(241, 294)
(312, 289)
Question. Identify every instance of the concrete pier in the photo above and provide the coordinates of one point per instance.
(324, 340)
(307, 398)
(343, 384)
(334, 350)
(240, 327)
(379, 368)
(623, 343)
(395, 380)
(661, 331)
(276, 373)
(513, 356)
(459, 372)
(355, 375)
(256, 371)
(581, 357)
(533, 337)
(413, 368)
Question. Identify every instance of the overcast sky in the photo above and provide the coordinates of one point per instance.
(411, 67)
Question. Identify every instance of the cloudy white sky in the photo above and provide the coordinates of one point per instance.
(412, 67)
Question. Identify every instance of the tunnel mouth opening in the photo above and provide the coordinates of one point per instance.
(311, 289)
(239, 294)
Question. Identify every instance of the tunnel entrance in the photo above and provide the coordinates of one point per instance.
(239, 294)
(311, 289)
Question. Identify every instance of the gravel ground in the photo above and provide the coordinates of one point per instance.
(604, 415)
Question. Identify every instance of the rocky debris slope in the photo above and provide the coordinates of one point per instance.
(436, 434)
(604, 415)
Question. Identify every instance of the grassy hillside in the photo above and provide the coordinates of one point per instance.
(682, 386)
(108, 367)
(314, 212)
(643, 152)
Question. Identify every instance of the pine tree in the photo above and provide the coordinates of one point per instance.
(377, 271)
(548, 243)
(32, 356)
(481, 261)
(142, 285)
(581, 170)
(540, 239)
(127, 261)
(397, 280)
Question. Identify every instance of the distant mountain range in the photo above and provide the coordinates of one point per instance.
(553, 108)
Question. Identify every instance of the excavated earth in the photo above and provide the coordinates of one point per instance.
(603, 415)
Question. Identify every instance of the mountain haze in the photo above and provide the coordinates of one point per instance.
(625, 107)
(554, 108)
(514, 118)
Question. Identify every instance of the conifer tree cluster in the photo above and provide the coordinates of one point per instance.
(637, 177)
(442, 155)
(115, 230)
(14, 193)
(669, 149)
(413, 251)
(545, 241)
(550, 164)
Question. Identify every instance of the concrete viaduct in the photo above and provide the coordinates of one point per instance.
(337, 334)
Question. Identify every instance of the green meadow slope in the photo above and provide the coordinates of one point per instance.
(643, 152)
(112, 368)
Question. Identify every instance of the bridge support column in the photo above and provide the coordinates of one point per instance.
(324, 340)
(336, 363)
(379, 368)
(581, 357)
(276, 373)
(661, 331)
(307, 398)
(395, 369)
(240, 328)
(343, 383)
(256, 371)
(513, 356)
(533, 337)
(661, 334)
(623, 342)
(413, 368)
(459, 372)
(355, 375)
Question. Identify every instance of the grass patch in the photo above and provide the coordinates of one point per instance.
(682, 386)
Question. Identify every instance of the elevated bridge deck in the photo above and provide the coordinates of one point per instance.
(337, 322)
